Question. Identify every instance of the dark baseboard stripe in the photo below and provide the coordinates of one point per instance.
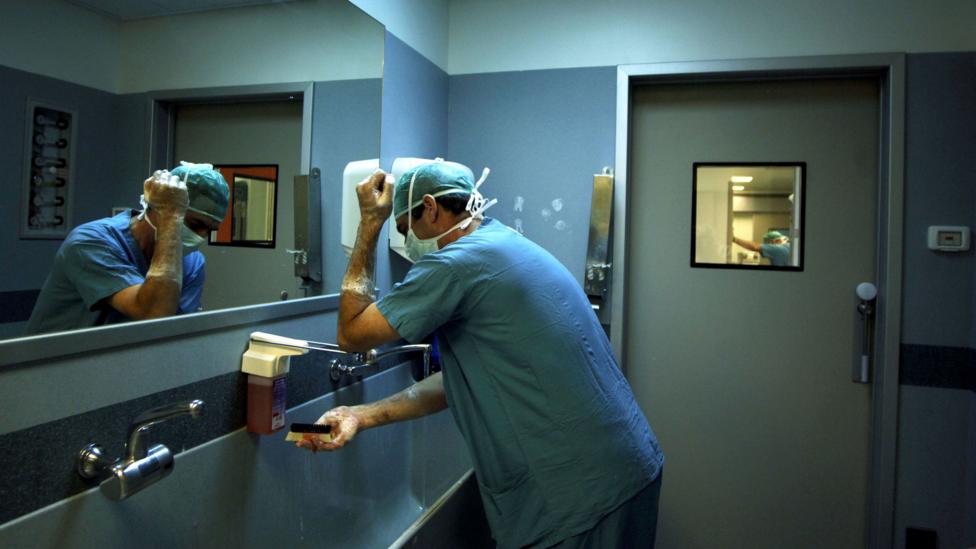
(16, 306)
(38, 463)
(937, 366)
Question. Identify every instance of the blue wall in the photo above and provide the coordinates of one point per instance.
(95, 179)
(345, 122)
(414, 125)
(940, 189)
(543, 134)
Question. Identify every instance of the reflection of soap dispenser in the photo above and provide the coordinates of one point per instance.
(266, 361)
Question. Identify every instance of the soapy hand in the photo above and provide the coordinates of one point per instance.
(166, 193)
(376, 197)
(345, 424)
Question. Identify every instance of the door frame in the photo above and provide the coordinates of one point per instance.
(890, 71)
(161, 114)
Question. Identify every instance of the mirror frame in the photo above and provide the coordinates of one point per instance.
(22, 350)
(162, 114)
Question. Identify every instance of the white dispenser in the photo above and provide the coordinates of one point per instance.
(351, 176)
(266, 362)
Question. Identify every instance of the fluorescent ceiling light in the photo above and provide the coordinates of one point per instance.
(738, 188)
(741, 179)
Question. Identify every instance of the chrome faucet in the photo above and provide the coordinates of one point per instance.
(141, 466)
(369, 361)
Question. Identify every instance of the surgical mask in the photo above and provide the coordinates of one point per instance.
(477, 204)
(191, 240)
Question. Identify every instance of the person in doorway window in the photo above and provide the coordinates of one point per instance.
(138, 264)
(563, 455)
(775, 247)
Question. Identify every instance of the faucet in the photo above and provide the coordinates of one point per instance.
(348, 364)
(369, 361)
(141, 466)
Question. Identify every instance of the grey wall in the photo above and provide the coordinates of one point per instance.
(543, 134)
(345, 127)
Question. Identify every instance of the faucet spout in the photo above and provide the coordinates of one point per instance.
(140, 467)
(135, 445)
(370, 360)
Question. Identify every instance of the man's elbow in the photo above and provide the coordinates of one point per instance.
(153, 312)
(351, 344)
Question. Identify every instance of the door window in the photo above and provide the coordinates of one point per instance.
(748, 215)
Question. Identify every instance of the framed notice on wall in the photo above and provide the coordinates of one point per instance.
(49, 154)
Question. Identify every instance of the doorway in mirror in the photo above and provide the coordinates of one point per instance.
(257, 147)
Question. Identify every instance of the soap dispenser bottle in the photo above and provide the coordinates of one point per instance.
(266, 362)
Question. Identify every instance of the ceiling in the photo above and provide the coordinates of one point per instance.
(766, 179)
(127, 10)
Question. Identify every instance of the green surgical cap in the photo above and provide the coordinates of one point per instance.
(772, 235)
(208, 191)
(436, 179)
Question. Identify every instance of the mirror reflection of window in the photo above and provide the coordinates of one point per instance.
(748, 215)
(250, 220)
(254, 210)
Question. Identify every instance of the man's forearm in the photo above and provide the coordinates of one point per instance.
(747, 244)
(159, 295)
(357, 290)
(420, 399)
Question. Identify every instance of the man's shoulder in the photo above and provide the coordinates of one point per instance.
(97, 230)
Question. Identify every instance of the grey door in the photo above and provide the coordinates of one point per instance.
(247, 133)
(746, 374)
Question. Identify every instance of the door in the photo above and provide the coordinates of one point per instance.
(267, 133)
(745, 373)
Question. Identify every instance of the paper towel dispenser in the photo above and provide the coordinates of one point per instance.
(351, 176)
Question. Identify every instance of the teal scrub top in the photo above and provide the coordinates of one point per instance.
(778, 254)
(555, 434)
(96, 260)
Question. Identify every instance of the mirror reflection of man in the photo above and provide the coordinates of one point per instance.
(775, 247)
(138, 264)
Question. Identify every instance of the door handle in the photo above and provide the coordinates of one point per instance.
(867, 293)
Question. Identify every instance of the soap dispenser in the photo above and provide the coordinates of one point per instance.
(266, 362)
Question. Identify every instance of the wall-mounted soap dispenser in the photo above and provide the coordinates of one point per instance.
(351, 176)
(266, 364)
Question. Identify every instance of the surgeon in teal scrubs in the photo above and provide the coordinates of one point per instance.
(775, 248)
(563, 455)
(138, 264)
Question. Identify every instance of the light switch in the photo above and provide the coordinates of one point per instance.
(946, 238)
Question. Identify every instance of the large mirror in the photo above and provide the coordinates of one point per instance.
(748, 215)
(143, 85)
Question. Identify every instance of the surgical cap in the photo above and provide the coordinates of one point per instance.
(207, 189)
(772, 235)
(436, 179)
